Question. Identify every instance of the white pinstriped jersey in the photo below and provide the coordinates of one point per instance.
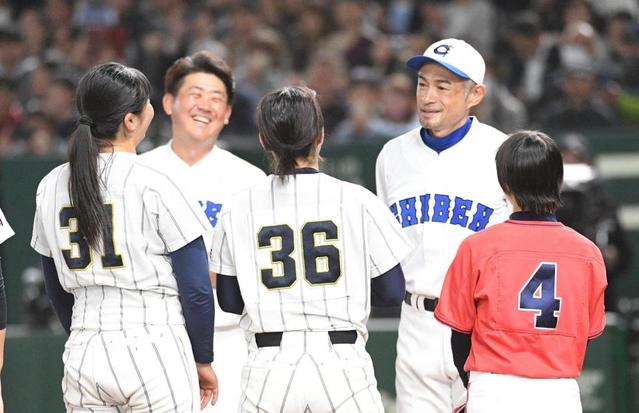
(6, 231)
(304, 252)
(130, 282)
(440, 199)
(211, 181)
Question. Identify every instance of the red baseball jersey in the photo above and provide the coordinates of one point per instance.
(531, 293)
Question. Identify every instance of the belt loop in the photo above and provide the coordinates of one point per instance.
(407, 297)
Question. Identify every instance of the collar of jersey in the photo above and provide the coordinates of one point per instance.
(212, 152)
(529, 216)
(441, 144)
(301, 171)
(107, 155)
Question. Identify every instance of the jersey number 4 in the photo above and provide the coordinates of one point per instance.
(78, 257)
(539, 295)
(321, 259)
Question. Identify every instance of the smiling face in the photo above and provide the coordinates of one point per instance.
(442, 99)
(199, 110)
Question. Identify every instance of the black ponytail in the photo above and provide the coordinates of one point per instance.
(105, 95)
(289, 121)
(84, 185)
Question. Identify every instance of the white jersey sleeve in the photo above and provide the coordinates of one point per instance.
(380, 187)
(38, 238)
(387, 243)
(6, 231)
(221, 256)
(179, 220)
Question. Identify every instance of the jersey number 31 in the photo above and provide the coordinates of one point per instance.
(321, 262)
(79, 258)
(539, 295)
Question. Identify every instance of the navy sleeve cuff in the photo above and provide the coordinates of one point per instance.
(460, 344)
(228, 294)
(388, 289)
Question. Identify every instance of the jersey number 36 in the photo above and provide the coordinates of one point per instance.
(320, 258)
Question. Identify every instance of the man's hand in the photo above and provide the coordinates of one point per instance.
(208, 384)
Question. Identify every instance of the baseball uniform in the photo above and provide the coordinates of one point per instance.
(128, 344)
(212, 181)
(304, 252)
(531, 292)
(439, 199)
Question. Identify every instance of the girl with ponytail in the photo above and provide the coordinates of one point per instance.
(302, 256)
(124, 262)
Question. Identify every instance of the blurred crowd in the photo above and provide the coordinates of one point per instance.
(552, 64)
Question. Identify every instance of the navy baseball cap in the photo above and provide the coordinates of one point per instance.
(455, 55)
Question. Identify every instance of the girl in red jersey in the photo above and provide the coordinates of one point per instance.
(524, 297)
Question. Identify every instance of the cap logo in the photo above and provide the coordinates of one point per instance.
(442, 49)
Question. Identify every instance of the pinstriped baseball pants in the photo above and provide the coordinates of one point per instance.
(309, 374)
(146, 369)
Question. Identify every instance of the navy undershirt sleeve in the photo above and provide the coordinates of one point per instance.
(460, 344)
(389, 288)
(190, 264)
(228, 294)
(61, 301)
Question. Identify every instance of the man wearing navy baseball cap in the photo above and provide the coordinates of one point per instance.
(440, 181)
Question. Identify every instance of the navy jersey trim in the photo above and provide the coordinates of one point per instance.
(450, 140)
(301, 171)
(529, 216)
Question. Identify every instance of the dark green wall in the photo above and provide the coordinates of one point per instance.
(19, 178)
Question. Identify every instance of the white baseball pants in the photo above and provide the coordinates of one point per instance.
(501, 393)
(426, 378)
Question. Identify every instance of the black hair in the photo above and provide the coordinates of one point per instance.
(289, 121)
(530, 168)
(105, 95)
(200, 62)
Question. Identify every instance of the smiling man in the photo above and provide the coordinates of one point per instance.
(440, 181)
(198, 96)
